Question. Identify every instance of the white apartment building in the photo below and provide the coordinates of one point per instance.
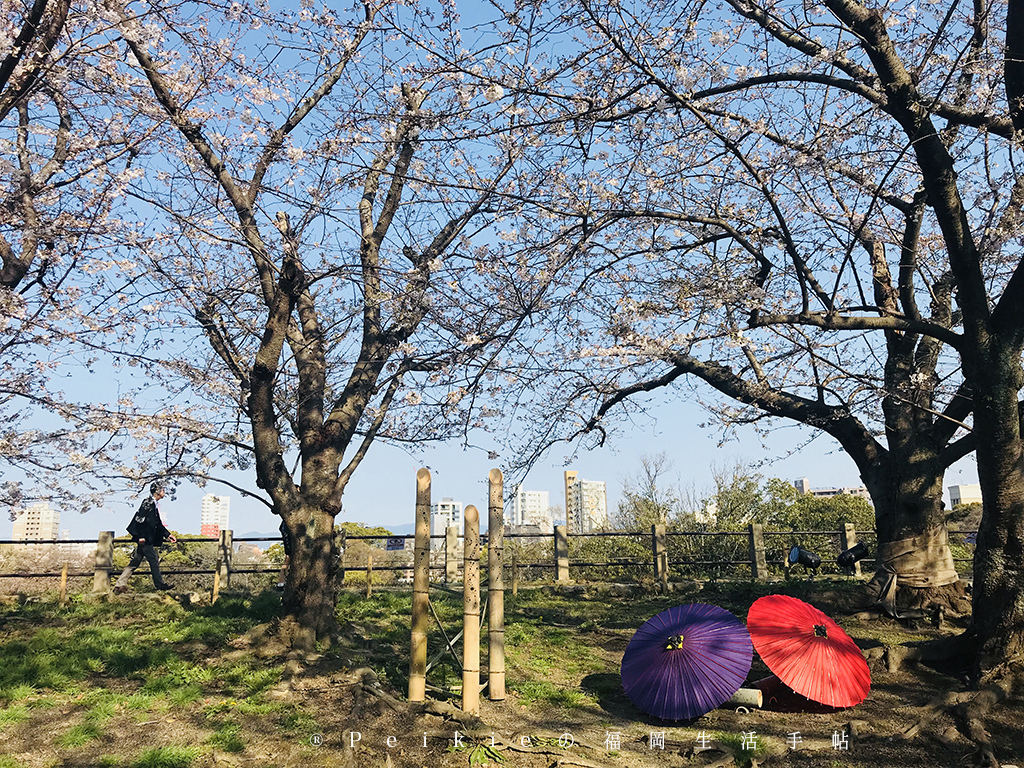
(214, 515)
(37, 522)
(444, 514)
(532, 508)
(964, 494)
(586, 504)
(804, 486)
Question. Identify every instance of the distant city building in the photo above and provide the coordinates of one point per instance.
(964, 494)
(532, 508)
(37, 522)
(586, 504)
(214, 518)
(444, 514)
(803, 485)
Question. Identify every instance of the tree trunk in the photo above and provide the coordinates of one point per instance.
(311, 590)
(914, 566)
(998, 622)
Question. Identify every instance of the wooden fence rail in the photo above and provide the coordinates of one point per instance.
(661, 559)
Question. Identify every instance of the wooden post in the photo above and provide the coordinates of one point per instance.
(451, 554)
(339, 543)
(758, 562)
(224, 561)
(515, 571)
(369, 575)
(216, 584)
(104, 562)
(420, 587)
(496, 587)
(659, 549)
(561, 554)
(848, 539)
(64, 584)
(471, 614)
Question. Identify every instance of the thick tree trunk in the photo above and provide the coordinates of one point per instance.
(914, 566)
(998, 623)
(311, 589)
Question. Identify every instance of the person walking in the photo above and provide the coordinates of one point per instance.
(148, 532)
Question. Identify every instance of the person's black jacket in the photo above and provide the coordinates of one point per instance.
(147, 524)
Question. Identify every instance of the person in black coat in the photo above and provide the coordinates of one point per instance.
(148, 532)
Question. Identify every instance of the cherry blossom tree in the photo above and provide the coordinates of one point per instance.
(67, 145)
(327, 218)
(816, 208)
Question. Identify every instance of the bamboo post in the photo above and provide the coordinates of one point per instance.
(848, 538)
(496, 587)
(758, 562)
(64, 584)
(104, 562)
(451, 554)
(659, 550)
(561, 554)
(420, 587)
(224, 562)
(471, 614)
(369, 575)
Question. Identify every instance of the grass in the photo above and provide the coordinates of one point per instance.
(99, 671)
(167, 757)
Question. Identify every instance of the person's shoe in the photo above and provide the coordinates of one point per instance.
(165, 586)
(119, 590)
(280, 586)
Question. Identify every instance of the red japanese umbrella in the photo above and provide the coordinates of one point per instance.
(686, 661)
(808, 651)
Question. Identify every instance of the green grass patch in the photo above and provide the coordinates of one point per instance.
(6, 761)
(227, 738)
(13, 715)
(534, 691)
(298, 721)
(167, 757)
(79, 735)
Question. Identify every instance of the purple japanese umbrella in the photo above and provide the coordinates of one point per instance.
(686, 661)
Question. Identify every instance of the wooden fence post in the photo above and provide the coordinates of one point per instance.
(369, 575)
(848, 539)
(224, 559)
(339, 544)
(104, 562)
(561, 554)
(659, 550)
(420, 588)
(515, 571)
(64, 584)
(496, 587)
(451, 554)
(758, 561)
(471, 614)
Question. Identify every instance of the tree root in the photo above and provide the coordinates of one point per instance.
(971, 714)
(969, 710)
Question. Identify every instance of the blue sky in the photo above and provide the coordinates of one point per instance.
(382, 491)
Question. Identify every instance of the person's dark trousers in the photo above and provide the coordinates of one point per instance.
(147, 551)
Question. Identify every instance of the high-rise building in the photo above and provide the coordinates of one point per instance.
(586, 504)
(444, 514)
(964, 494)
(37, 522)
(214, 517)
(532, 508)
